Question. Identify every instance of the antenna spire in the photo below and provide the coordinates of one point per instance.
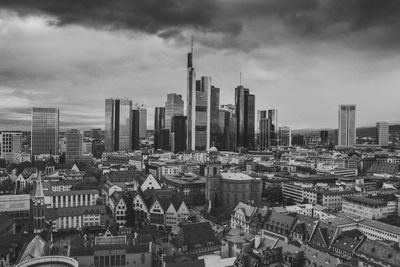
(191, 45)
(240, 78)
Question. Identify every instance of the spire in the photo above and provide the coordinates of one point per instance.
(191, 45)
(240, 78)
(39, 187)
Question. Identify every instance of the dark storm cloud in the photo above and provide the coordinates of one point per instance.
(314, 19)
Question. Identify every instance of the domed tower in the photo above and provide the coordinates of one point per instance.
(212, 174)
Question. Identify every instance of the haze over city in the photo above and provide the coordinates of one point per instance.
(303, 59)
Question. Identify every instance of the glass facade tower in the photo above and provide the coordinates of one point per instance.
(347, 125)
(44, 131)
(118, 124)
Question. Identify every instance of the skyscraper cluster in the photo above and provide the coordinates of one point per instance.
(125, 125)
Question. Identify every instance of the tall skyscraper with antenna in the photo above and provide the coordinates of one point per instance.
(190, 102)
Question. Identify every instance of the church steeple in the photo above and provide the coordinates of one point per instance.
(39, 206)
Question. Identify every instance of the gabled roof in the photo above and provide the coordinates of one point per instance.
(279, 220)
(248, 210)
(196, 233)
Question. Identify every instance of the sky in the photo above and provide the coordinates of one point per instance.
(302, 57)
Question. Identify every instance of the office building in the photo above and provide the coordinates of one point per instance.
(10, 144)
(273, 118)
(324, 136)
(159, 118)
(74, 146)
(173, 107)
(190, 102)
(142, 122)
(265, 133)
(216, 133)
(347, 125)
(44, 131)
(285, 136)
(245, 113)
(179, 132)
(118, 125)
(382, 133)
(162, 139)
(95, 133)
(230, 127)
(135, 129)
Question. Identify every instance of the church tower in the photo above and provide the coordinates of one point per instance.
(213, 184)
(38, 206)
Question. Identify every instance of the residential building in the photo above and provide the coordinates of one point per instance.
(118, 125)
(365, 207)
(44, 131)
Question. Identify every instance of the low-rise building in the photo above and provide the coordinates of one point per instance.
(365, 207)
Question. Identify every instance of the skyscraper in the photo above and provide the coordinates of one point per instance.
(142, 122)
(74, 146)
(265, 133)
(191, 100)
(382, 133)
(45, 128)
(201, 119)
(135, 129)
(230, 127)
(173, 107)
(347, 125)
(262, 114)
(159, 118)
(118, 125)
(245, 112)
(285, 136)
(216, 133)
(179, 133)
(273, 118)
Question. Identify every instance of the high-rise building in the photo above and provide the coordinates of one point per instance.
(95, 133)
(191, 100)
(245, 113)
(216, 133)
(273, 118)
(382, 133)
(285, 136)
(10, 144)
(135, 129)
(118, 125)
(201, 128)
(347, 125)
(74, 146)
(161, 139)
(179, 133)
(230, 127)
(142, 122)
(159, 118)
(265, 133)
(173, 107)
(44, 131)
(324, 136)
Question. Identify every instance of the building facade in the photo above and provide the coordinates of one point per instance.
(74, 146)
(347, 125)
(118, 125)
(44, 131)
(382, 133)
(245, 113)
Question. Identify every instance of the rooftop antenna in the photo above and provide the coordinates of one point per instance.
(240, 78)
(191, 45)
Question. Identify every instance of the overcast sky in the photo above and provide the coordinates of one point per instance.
(302, 57)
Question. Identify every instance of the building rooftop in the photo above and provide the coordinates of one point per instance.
(364, 200)
(71, 192)
(238, 176)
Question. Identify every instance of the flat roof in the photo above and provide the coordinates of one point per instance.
(238, 176)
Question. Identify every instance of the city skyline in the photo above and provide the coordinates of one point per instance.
(305, 53)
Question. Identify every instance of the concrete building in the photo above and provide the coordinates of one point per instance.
(44, 131)
(10, 145)
(285, 136)
(382, 133)
(159, 118)
(142, 122)
(365, 207)
(273, 118)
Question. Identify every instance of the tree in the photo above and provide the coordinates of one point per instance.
(3, 163)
